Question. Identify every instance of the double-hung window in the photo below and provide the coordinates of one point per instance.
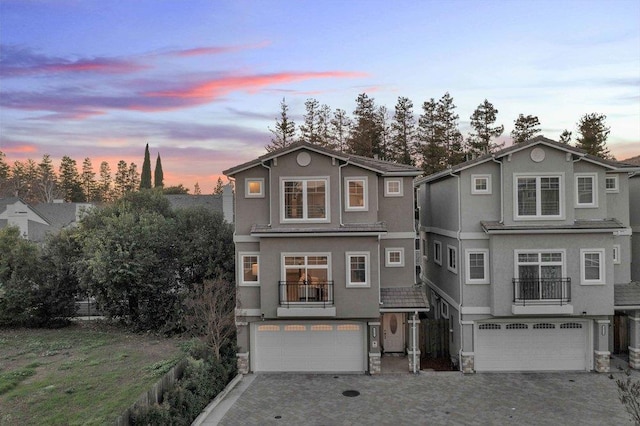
(305, 199)
(538, 197)
(249, 268)
(586, 190)
(356, 193)
(357, 269)
(592, 266)
(477, 266)
(437, 252)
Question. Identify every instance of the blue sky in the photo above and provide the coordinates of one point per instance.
(201, 81)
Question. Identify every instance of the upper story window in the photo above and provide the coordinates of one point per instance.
(586, 190)
(480, 184)
(394, 257)
(356, 193)
(254, 188)
(305, 199)
(534, 266)
(477, 266)
(357, 269)
(452, 259)
(393, 187)
(592, 266)
(437, 252)
(250, 269)
(611, 183)
(538, 197)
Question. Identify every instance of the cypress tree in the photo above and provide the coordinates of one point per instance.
(158, 176)
(145, 178)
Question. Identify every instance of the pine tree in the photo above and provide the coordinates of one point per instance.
(482, 121)
(525, 128)
(219, 187)
(565, 137)
(384, 133)
(4, 175)
(340, 129)
(88, 180)
(285, 130)
(105, 182)
(403, 132)
(592, 135)
(133, 177)
(196, 189)
(69, 180)
(448, 121)
(47, 180)
(364, 138)
(309, 131)
(325, 134)
(145, 179)
(122, 179)
(158, 175)
(18, 182)
(431, 147)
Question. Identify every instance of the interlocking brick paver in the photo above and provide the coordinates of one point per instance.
(433, 398)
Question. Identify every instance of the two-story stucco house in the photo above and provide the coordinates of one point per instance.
(521, 251)
(325, 245)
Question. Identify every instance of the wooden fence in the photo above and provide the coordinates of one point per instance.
(434, 338)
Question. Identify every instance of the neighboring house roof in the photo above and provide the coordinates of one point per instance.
(59, 215)
(633, 160)
(538, 140)
(606, 225)
(403, 299)
(379, 166)
(626, 295)
(4, 202)
(209, 202)
(361, 228)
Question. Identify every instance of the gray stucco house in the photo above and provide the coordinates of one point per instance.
(325, 245)
(522, 250)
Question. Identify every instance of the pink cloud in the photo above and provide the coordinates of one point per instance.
(216, 50)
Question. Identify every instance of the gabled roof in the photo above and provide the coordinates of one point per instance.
(626, 295)
(57, 214)
(403, 299)
(378, 166)
(538, 140)
(4, 202)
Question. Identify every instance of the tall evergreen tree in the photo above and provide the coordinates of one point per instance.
(158, 175)
(592, 135)
(482, 122)
(403, 132)
(309, 131)
(325, 134)
(364, 138)
(565, 137)
(285, 130)
(384, 133)
(47, 180)
(122, 179)
(450, 133)
(18, 182)
(196, 189)
(145, 179)
(525, 128)
(69, 179)
(4, 174)
(340, 129)
(431, 147)
(133, 178)
(88, 180)
(219, 187)
(105, 182)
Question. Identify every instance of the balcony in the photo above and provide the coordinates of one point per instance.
(542, 296)
(306, 299)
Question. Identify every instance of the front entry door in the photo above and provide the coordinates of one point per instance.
(393, 329)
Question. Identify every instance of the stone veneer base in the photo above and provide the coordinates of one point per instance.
(603, 361)
(374, 363)
(243, 363)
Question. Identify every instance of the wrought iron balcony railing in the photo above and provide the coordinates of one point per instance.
(551, 291)
(307, 293)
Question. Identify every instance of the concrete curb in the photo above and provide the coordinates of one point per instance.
(217, 400)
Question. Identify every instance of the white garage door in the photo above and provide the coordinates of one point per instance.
(532, 346)
(308, 346)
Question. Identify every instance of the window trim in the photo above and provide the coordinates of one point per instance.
(365, 195)
(444, 309)
(367, 260)
(594, 193)
(616, 187)
(616, 254)
(485, 254)
(387, 257)
(453, 249)
(602, 268)
(563, 266)
(437, 252)
(475, 190)
(241, 280)
(424, 249)
(327, 197)
(388, 193)
(248, 193)
(538, 216)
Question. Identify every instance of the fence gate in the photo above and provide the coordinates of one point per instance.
(434, 338)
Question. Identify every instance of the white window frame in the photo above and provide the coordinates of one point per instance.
(248, 193)
(602, 269)
(424, 249)
(616, 180)
(365, 195)
(485, 278)
(437, 252)
(616, 254)
(444, 309)
(367, 282)
(475, 179)
(452, 266)
(387, 257)
(305, 214)
(562, 264)
(388, 192)
(594, 186)
(539, 215)
(241, 256)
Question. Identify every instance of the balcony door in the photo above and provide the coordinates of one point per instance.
(539, 275)
(306, 278)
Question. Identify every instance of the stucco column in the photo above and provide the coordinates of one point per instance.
(374, 347)
(634, 339)
(467, 356)
(601, 343)
(414, 344)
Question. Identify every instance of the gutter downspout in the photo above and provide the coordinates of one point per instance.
(340, 184)
(459, 266)
(415, 319)
(493, 157)
(270, 183)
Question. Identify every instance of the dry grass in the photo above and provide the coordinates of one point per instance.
(87, 373)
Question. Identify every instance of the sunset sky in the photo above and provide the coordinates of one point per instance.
(201, 81)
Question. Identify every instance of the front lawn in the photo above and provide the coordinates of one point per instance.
(86, 373)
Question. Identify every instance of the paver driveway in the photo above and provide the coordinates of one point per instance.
(430, 398)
